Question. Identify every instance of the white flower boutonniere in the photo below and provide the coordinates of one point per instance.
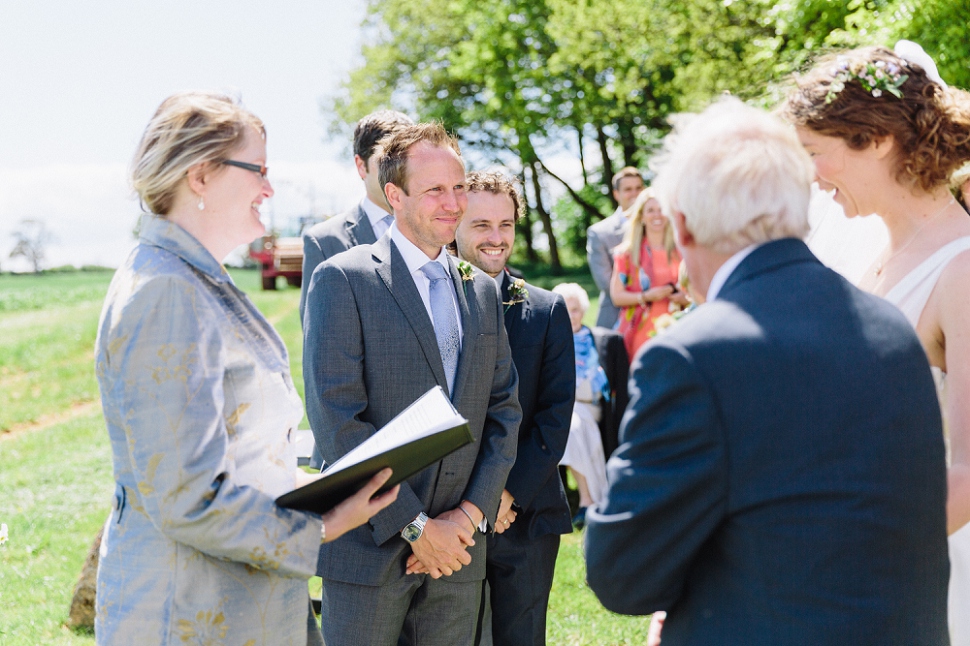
(466, 272)
(517, 293)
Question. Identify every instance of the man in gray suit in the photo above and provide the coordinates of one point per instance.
(603, 236)
(384, 323)
(367, 220)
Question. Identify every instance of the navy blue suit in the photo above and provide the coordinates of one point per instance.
(781, 476)
(520, 563)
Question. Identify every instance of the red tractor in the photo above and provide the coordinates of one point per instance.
(278, 257)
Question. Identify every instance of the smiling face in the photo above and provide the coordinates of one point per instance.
(858, 177)
(652, 217)
(233, 195)
(429, 212)
(487, 232)
(627, 190)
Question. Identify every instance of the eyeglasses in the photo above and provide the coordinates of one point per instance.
(256, 168)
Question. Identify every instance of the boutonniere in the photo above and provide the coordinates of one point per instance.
(517, 293)
(466, 272)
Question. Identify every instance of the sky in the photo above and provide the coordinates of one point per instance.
(80, 81)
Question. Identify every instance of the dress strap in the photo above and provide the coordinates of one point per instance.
(911, 293)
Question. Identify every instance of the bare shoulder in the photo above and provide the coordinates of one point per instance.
(946, 317)
(955, 278)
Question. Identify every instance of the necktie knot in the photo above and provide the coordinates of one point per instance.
(434, 271)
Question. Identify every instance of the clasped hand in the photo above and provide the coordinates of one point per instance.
(506, 516)
(442, 548)
(452, 524)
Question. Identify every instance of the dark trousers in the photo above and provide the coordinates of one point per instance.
(519, 573)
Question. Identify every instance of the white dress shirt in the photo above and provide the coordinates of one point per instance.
(375, 214)
(724, 271)
(415, 259)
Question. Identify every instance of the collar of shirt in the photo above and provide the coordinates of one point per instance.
(415, 259)
(725, 271)
(165, 234)
(375, 214)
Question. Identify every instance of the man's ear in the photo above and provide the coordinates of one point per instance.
(394, 195)
(361, 166)
(682, 234)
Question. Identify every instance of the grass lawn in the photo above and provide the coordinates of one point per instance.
(55, 461)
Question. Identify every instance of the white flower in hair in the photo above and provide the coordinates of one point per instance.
(913, 53)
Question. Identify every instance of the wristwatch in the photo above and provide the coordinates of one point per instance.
(415, 528)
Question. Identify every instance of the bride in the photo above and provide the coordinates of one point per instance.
(886, 134)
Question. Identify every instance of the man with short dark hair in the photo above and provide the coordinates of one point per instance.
(384, 323)
(602, 238)
(370, 218)
(522, 552)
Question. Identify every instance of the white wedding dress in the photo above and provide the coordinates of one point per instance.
(910, 296)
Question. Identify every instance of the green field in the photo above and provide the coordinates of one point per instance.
(55, 461)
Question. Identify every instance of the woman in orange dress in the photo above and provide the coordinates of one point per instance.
(645, 272)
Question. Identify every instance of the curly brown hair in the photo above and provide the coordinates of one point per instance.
(929, 124)
(498, 183)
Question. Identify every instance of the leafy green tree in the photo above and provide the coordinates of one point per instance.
(521, 80)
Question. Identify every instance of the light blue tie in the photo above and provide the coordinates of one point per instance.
(386, 223)
(445, 320)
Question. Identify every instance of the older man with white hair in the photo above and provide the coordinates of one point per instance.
(780, 478)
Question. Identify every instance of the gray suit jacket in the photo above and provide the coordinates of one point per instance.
(327, 239)
(369, 352)
(601, 239)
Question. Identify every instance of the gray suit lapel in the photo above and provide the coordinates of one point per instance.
(359, 229)
(394, 272)
(467, 304)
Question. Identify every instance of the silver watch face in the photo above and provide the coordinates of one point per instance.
(412, 532)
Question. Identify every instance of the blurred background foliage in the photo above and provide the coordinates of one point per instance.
(541, 85)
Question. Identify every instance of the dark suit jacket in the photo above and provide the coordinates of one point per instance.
(781, 476)
(369, 352)
(541, 339)
(327, 239)
(616, 365)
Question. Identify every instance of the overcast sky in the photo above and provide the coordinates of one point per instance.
(80, 81)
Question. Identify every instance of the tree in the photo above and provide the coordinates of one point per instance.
(940, 26)
(521, 81)
(32, 240)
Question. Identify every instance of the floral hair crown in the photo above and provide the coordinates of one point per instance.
(875, 78)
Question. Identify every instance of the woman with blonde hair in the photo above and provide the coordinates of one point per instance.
(886, 134)
(645, 272)
(201, 410)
